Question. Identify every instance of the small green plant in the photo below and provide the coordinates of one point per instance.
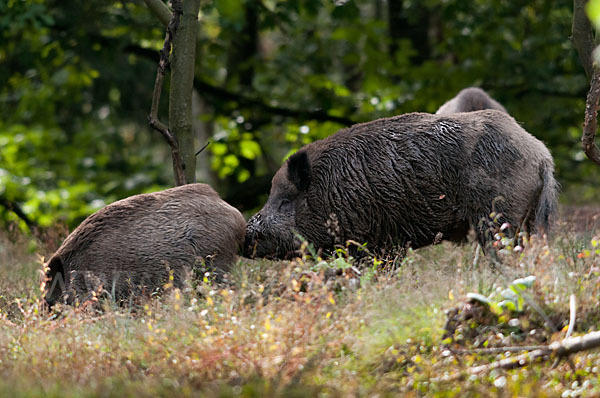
(370, 271)
(509, 301)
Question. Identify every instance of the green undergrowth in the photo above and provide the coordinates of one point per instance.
(315, 327)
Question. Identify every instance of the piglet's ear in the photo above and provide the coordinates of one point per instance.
(299, 170)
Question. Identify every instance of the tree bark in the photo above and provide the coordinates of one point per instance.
(182, 79)
(156, 124)
(583, 40)
(160, 10)
(583, 36)
(203, 131)
(590, 125)
(178, 166)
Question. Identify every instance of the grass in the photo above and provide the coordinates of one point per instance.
(297, 328)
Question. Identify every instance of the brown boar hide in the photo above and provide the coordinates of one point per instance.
(408, 180)
(133, 246)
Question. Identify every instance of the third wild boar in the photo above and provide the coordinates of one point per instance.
(468, 100)
(408, 180)
(134, 245)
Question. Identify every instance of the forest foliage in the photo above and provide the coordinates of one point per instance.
(76, 82)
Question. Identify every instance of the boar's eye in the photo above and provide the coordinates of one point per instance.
(285, 205)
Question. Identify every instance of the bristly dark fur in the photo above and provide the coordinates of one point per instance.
(131, 246)
(404, 180)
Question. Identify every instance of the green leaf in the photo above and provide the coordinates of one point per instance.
(593, 11)
(249, 149)
(243, 175)
(523, 283)
(231, 161)
(508, 304)
(218, 148)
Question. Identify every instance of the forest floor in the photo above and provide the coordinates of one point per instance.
(313, 327)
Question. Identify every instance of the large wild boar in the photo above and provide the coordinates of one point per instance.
(133, 245)
(468, 100)
(408, 180)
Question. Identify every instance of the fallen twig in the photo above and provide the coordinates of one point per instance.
(496, 350)
(559, 349)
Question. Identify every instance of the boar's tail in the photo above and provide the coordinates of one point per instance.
(548, 200)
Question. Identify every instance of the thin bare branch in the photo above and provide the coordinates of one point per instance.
(16, 209)
(496, 350)
(590, 124)
(160, 10)
(559, 349)
(163, 64)
(203, 148)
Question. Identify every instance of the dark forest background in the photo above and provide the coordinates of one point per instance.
(76, 81)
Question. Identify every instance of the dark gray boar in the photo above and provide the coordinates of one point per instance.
(468, 100)
(131, 246)
(408, 180)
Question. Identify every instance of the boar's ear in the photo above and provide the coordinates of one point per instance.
(299, 170)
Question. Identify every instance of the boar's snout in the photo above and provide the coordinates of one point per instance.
(269, 236)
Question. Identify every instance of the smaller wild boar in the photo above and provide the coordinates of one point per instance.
(132, 246)
(469, 100)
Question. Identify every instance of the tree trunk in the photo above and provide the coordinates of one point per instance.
(203, 131)
(583, 40)
(582, 36)
(182, 79)
(590, 125)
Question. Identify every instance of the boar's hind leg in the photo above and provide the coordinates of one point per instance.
(487, 222)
